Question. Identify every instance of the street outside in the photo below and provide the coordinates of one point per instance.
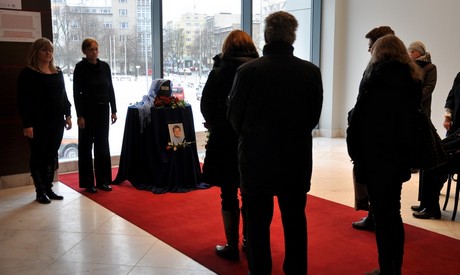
(128, 91)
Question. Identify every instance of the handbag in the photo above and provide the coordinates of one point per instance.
(427, 150)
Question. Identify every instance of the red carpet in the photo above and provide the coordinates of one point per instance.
(191, 223)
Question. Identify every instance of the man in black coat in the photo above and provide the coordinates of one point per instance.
(274, 105)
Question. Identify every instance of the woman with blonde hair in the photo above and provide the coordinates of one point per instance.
(221, 162)
(45, 111)
(378, 141)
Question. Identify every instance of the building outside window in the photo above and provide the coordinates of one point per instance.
(193, 32)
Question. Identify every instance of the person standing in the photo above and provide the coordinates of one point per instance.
(93, 95)
(417, 52)
(45, 111)
(419, 55)
(220, 166)
(390, 93)
(274, 105)
(361, 196)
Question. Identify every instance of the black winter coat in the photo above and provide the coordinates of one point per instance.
(275, 103)
(453, 103)
(379, 132)
(221, 162)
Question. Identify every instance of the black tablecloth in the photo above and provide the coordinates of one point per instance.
(146, 162)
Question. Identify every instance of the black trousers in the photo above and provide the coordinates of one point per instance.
(259, 210)
(385, 197)
(96, 132)
(432, 182)
(44, 148)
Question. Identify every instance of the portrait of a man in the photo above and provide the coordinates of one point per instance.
(176, 133)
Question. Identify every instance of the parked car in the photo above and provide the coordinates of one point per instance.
(199, 91)
(68, 148)
(122, 78)
(178, 92)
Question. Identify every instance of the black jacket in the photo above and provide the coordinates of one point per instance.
(221, 162)
(453, 103)
(379, 131)
(92, 86)
(275, 103)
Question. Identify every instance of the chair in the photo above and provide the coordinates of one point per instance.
(457, 191)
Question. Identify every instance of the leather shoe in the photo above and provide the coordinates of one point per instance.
(53, 196)
(91, 189)
(417, 208)
(365, 223)
(104, 187)
(43, 198)
(427, 214)
(228, 252)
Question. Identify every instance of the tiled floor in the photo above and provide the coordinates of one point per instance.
(78, 236)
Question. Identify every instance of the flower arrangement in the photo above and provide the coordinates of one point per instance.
(168, 101)
(174, 147)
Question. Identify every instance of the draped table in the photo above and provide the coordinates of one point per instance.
(145, 160)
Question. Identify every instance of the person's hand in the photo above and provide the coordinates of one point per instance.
(447, 123)
(81, 122)
(28, 132)
(114, 118)
(68, 123)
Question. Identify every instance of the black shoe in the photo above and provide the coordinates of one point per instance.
(427, 214)
(228, 252)
(43, 198)
(91, 189)
(374, 272)
(417, 208)
(104, 187)
(53, 196)
(365, 223)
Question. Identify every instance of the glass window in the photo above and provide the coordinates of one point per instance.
(193, 32)
(192, 36)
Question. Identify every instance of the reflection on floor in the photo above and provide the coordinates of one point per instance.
(79, 236)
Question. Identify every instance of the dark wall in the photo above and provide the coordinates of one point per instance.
(14, 150)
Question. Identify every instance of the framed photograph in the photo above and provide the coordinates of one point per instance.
(176, 133)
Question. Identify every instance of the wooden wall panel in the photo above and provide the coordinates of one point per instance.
(14, 150)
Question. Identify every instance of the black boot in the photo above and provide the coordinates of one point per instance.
(41, 194)
(366, 223)
(230, 251)
(49, 184)
(245, 231)
(40, 188)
